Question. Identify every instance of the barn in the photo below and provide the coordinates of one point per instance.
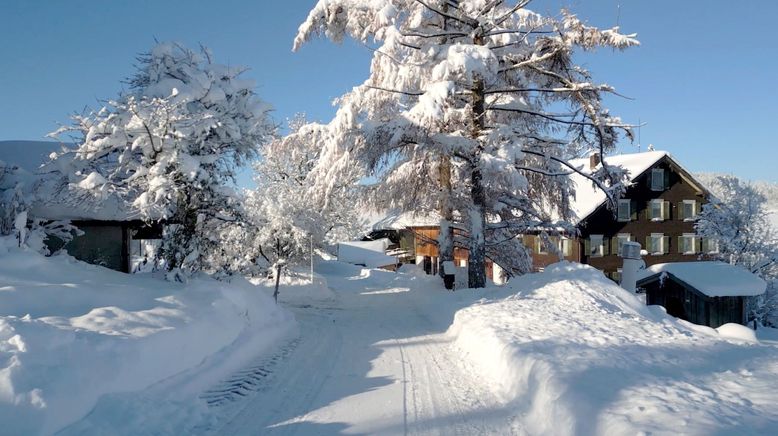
(706, 293)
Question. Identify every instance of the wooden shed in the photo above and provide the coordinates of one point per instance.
(705, 293)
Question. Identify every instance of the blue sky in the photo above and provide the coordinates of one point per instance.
(702, 81)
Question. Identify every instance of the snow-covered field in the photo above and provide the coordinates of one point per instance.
(74, 336)
(560, 352)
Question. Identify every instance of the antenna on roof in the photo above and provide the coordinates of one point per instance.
(618, 14)
(639, 127)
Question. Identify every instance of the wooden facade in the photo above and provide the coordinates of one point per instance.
(106, 243)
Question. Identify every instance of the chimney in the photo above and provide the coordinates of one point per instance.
(630, 252)
(594, 160)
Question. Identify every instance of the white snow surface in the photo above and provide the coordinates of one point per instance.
(572, 353)
(368, 253)
(76, 338)
(564, 352)
(712, 278)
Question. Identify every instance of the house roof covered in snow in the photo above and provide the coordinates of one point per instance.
(712, 278)
(38, 173)
(589, 198)
(395, 220)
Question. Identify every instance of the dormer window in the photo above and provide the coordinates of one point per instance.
(625, 210)
(658, 179)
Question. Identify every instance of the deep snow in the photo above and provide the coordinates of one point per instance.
(561, 352)
(72, 335)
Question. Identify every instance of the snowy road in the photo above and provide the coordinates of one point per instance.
(372, 361)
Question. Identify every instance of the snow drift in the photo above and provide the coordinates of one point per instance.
(71, 333)
(573, 353)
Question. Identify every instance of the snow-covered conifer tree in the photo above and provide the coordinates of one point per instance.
(471, 106)
(737, 219)
(170, 148)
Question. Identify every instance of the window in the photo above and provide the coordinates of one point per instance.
(656, 210)
(687, 244)
(657, 179)
(566, 247)
(620, 239)
(625, 210)
(689, 210)
(657, 244)
(710, 246)
(596, 248)
(541, 246)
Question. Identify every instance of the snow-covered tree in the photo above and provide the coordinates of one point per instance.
(169, 149)
(472, 108)
(737, 219)
(288, 215)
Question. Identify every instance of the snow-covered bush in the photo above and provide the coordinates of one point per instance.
(737, 219)
(286, 211)
(472, 109)
(169, 149)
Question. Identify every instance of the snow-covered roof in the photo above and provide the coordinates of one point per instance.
(394, 220)
(588, 198)
(28, 155)
(713, 278)
(32, 157)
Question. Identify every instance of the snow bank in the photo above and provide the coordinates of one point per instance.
(573, 353)
(368, 253)
(71, 333)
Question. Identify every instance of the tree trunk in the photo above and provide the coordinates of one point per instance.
(446, 237)
(476, 276)
(477, 257)
(278, 279)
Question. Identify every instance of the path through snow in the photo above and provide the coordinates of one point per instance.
(373, 360)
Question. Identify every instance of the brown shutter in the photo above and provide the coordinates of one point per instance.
(666, 244)
(680, 245)
(648, 245)
(666, 210)
(680, 210)
(648, 210)
(615, 245)
(697, 207)
(605, 246)
(587, 247)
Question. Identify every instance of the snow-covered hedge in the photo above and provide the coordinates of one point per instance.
(72, 332)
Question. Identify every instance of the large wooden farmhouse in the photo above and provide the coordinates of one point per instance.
(657, 211)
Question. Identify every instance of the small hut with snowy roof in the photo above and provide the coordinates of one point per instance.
(706, 293)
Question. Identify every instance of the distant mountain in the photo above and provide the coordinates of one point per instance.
(768, 189)
(28, 155)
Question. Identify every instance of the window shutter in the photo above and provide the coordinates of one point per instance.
(696, 207)
(680, 245)
(666, 173)
(615, 245)
(666, 243)
(681, 212)
(633, 210)
(649, 248)
(587, 247)
(605, 246)
(698, 241)
(648, 211)
(666, 210)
